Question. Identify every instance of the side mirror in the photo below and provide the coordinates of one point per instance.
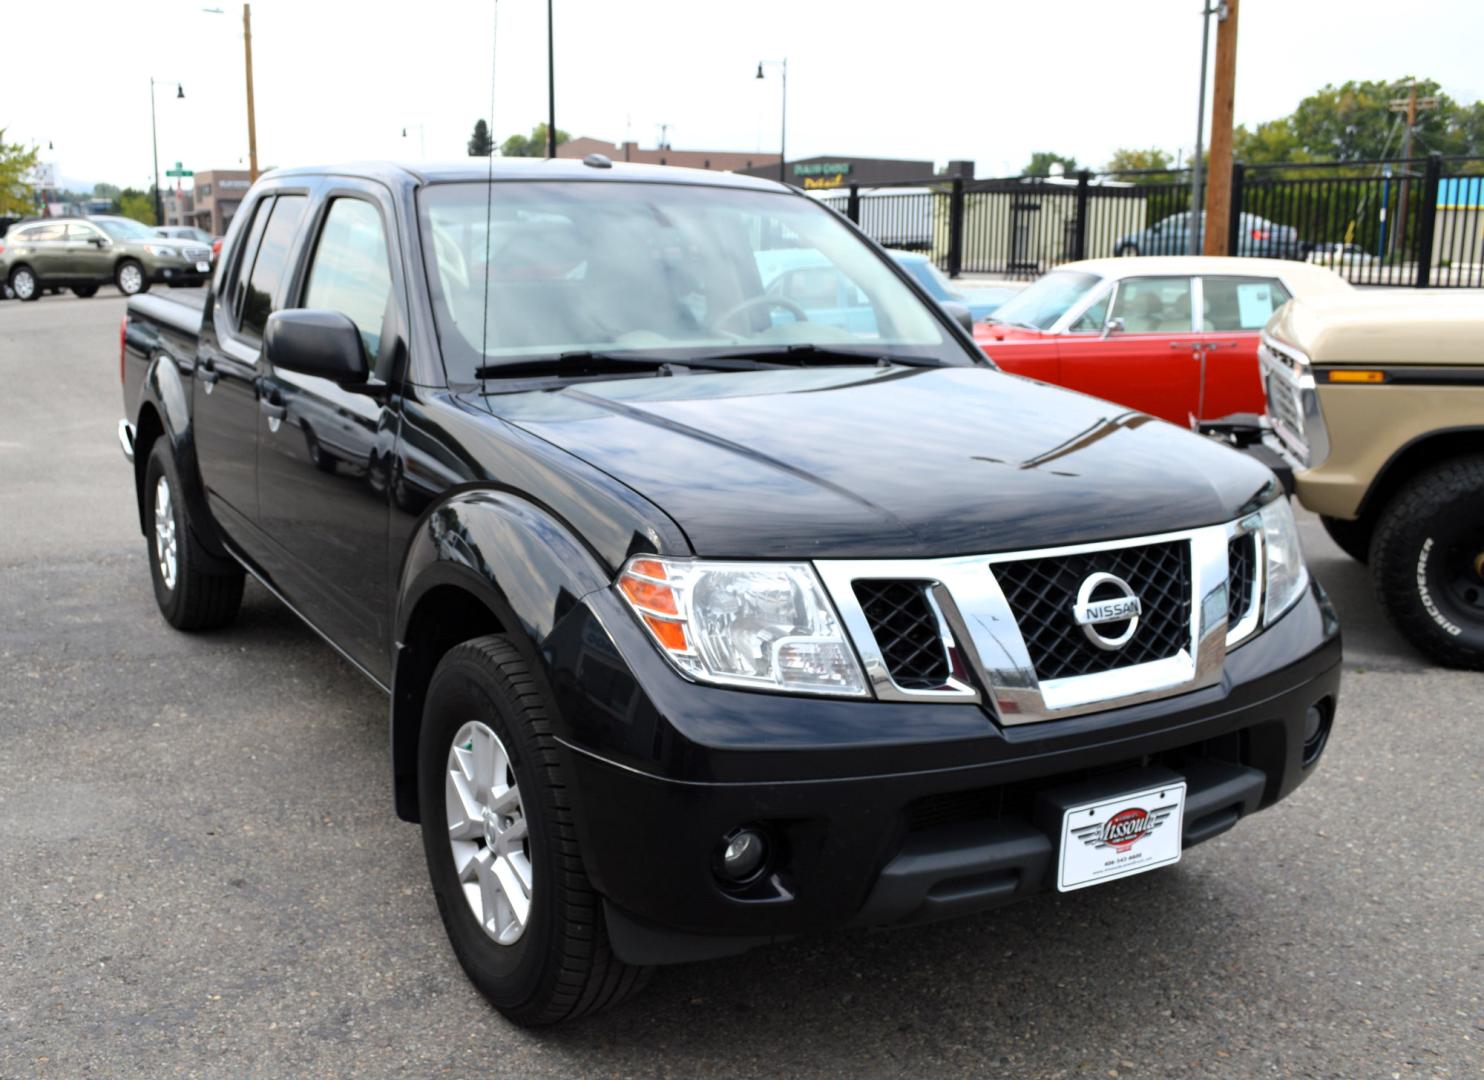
(1112, 326)
(98, 241)
(960, 314)
(315, 342)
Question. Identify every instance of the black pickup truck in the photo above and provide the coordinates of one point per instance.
(715, 604)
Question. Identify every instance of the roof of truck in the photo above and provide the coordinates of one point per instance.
(514, 168)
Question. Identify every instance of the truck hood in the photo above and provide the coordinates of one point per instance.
(888, 462)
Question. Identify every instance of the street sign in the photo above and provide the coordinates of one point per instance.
(179, 170)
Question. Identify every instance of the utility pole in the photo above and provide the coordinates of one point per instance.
(664, 136)
(1410, 105)
(1223, 105)
(252, 123)
(551, 138)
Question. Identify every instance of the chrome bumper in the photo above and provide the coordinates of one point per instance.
(126, 439)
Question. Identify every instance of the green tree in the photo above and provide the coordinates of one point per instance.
(139, 205)
(480, 143)
(534, 146)
(17, 193)
(1042, 160)
(106, 191)
(1136, 161)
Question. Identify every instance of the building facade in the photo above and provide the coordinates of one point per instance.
(841, 171)
(214, 199)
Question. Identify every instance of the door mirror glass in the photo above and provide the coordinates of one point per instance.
(316, 342)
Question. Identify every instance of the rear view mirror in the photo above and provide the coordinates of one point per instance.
(960, 314)
(315, 342)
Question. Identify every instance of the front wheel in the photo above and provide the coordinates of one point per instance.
(24, 284)
(501, 845)
(1427, 562)
(190, 597)
(130, 279)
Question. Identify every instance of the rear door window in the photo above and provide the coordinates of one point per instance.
(1238, 303)
(271, 264)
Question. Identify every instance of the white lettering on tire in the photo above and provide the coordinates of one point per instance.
(1426, 595)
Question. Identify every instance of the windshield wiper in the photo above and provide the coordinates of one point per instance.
(808, 353)
(587, 362)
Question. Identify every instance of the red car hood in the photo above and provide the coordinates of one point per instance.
(988, 333)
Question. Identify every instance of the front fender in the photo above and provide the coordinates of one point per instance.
(507, 554)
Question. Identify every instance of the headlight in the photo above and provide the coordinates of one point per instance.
(1286, 575)
(161, 250)
(767, 626)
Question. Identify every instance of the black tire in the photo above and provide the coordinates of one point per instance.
(319, 457)
(128, 283)
(1127, 250)
(561, 966)
(84, 291)
(1427, 561)
(196, 599)
(25, 284)
(1351, 537)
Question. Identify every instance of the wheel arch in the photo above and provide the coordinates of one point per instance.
(480, 562)
(1414, 456)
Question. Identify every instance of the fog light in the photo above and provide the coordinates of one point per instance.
(742, 854)
(1316, 730)
(1313, 721)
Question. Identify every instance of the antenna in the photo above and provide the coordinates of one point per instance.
(489, 190)
(664, 136)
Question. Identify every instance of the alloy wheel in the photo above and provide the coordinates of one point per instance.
(130, 279)
(488, 833)
(165, 532)
(24, 284)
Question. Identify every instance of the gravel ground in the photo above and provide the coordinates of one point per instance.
(203, 875)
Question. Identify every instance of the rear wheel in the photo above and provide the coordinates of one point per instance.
(1352, 537)
(84, 291)
(501, 846)
(1427, 561)
(190, 597)
(130, 279)
(24, 284)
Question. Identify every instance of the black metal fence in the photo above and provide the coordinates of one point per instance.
(1409, 223)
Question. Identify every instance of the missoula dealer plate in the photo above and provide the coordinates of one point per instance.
(1116, 837)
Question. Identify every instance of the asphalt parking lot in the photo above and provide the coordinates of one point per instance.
(203, 876)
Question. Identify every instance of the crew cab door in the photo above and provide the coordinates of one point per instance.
(325, 450)
(224, 403)
(1146, 358)
(1234, 311)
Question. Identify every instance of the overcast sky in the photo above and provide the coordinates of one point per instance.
(989, 81)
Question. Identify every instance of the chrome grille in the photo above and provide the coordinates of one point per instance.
(906, 630)
(1282, 406)
(1241, 576)
(1042, 592)
(197, 254)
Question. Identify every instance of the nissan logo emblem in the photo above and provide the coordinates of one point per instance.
(1115, 604)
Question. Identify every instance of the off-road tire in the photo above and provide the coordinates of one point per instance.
(1351, 537)
(83, 292)
(18, 278)
(199, 598)
(1439, 511)
(562, 966)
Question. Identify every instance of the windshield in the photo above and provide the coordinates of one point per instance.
(1045, 300)
(125, 229)
(931, 278)
(656, 269)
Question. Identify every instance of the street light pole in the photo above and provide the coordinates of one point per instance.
(783, 120)
(154, 138)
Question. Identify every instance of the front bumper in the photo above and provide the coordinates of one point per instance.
(923, 820)
(176, 272)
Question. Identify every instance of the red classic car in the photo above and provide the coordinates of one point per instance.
(1128, 330)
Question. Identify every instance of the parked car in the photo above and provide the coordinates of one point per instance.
(981, 301)
(1128, 330)
(1378, 402)
(1337, 254)
(84, 253)
(1257, 237)
(190, 234)
(701, 630)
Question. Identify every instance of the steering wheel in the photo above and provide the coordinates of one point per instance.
(762, 302)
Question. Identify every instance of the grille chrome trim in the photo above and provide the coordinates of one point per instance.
(985, 644)
(1247, 625)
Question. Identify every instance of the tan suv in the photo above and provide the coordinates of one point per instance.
(1377, 401)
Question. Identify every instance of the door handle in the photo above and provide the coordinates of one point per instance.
(208, 374)
(272, 409)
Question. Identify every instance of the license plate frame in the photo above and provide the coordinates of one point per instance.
(1092, 848)
(203, 267)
